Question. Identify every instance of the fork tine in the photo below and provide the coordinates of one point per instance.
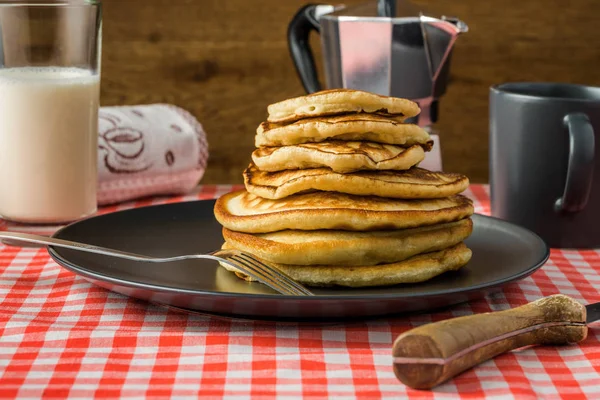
(277, 274)
(291, 289)
(253, 272)
(272, 275)
(260, 275)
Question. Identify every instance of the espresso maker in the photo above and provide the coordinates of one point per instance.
(391, 48)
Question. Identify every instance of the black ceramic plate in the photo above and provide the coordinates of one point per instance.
(502, 253)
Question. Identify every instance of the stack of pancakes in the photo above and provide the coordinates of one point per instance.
(334, 197)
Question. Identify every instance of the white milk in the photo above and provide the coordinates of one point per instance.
(48, 143)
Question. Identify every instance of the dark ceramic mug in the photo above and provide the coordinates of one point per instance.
(544, 172)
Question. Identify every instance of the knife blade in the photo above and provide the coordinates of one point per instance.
(593, 313)
(431, 354)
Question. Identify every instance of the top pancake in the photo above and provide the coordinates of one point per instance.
(363, 127)
(341, 101)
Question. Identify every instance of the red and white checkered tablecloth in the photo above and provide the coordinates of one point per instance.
(62, 337)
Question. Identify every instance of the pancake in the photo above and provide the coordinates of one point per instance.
(340, 156)
(415, 183)
(341, 101)
(330, 247)
(244, 212)
(416, 269)
(362, 127)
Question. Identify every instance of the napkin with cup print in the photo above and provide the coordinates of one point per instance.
(143, 150)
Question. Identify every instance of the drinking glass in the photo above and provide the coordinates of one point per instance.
(49, 94)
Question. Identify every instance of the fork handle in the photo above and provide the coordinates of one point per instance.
(290, 287)
(20, 237)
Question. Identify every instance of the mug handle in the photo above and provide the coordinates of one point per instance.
(298, 33)
(580, 170)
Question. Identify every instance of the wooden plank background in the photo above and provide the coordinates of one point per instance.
(226, 60)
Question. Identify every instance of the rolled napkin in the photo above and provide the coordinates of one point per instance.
(148, 150)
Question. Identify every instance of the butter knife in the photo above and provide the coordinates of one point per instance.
(431, 354)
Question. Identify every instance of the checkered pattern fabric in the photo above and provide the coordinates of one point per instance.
(61, 337)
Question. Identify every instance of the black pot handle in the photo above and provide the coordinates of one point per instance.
(386, 8)
(580, 170)
(298, 34)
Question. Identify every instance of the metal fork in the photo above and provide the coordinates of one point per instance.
(244, 262)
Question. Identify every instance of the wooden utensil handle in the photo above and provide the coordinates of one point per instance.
(431, 354)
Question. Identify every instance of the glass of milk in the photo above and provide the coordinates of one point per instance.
(49, 90)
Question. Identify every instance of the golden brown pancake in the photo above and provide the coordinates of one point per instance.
(332, 247)
(415, 183)
(340, 156)
(341, 101)
(415, 269)
(244, 212)
(350, 127)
